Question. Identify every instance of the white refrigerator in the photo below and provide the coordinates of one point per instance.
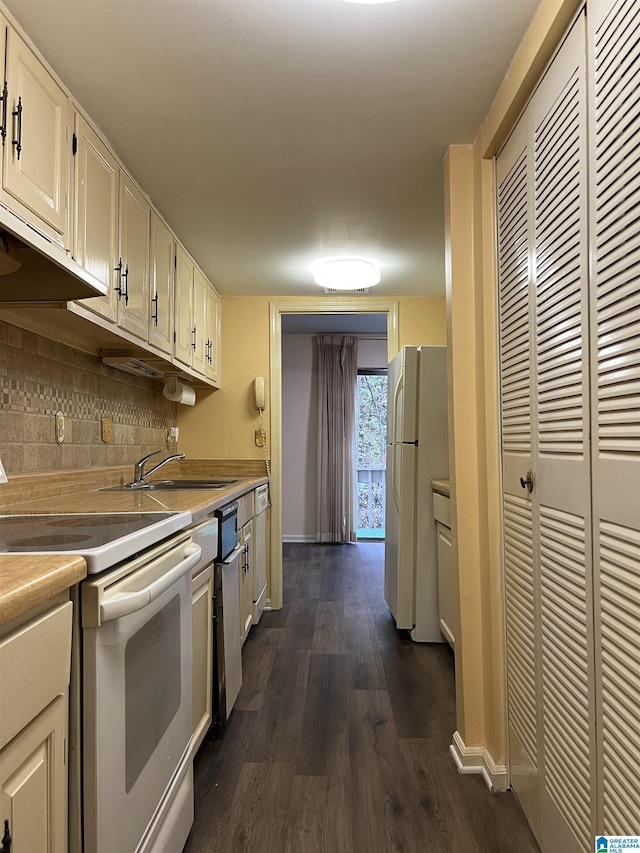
(417, 453)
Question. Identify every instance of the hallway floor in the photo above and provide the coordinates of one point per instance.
(339, 739)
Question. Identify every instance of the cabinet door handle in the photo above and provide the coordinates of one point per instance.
(125, 276)
(122, 288)
(18, 140)
(193, 342)
(5, 104)
(6, 839)
(154, 315)
(118, 287)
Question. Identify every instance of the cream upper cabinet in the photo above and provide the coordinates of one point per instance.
(95, 195)
(133, 263)
(183, 331)
(161, 286)
(193, 342)
(213, 336)
(200, 333)
(37, 144)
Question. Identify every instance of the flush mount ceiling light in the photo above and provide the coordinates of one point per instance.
(345, 273)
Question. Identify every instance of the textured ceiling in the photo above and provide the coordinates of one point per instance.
(270, 133)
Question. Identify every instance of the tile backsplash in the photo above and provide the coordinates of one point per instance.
(39, 377)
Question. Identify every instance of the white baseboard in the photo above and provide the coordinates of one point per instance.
(292, 537)
(476, 759)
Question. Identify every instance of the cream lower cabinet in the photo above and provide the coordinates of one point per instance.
(33, 783)
(245, 567)
(261, 503)
(35, 660)
(36, 154)
(446, 600)
(202, 644)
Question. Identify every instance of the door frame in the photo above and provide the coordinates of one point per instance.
(314, 306)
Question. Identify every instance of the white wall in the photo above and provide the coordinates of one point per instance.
(300, 429)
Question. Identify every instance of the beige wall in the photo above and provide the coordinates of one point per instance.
(474, 411)
(221, 425)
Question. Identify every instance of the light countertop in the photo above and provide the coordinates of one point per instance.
(441, 487)
(27, 580)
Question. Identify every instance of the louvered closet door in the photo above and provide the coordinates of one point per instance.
(545, 403)
(515, 229)
(562, 453)
(615, 325)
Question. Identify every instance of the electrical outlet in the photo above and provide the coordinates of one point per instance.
(258, 439)
(59, 427)
(106, 429)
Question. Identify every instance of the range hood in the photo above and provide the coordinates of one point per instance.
(46, 272)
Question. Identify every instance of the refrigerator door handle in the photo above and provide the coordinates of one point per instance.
(396, 394)
(394, 478)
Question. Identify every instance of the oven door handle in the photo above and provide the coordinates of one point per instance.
(233, 555)
(124, 603)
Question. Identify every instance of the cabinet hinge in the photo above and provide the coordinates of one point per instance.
(74, 145)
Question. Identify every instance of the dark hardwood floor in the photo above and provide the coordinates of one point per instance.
(339, 739)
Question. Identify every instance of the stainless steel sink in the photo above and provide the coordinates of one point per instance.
(172, 485)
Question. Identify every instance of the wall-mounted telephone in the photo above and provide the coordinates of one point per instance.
(259, 392)
(260, 401)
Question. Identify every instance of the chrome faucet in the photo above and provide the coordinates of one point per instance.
(140, 475)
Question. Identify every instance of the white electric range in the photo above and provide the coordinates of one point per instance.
(131, 776)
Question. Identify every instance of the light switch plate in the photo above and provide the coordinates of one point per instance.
(3, 476)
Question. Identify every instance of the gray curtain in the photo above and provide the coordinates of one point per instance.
(337, 378)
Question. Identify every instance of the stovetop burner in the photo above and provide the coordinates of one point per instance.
(103, 539)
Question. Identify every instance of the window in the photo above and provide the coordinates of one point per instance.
(371, 447)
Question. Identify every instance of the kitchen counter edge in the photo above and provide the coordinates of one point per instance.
(28, 580)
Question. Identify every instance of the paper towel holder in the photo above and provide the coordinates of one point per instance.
(177, 391)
